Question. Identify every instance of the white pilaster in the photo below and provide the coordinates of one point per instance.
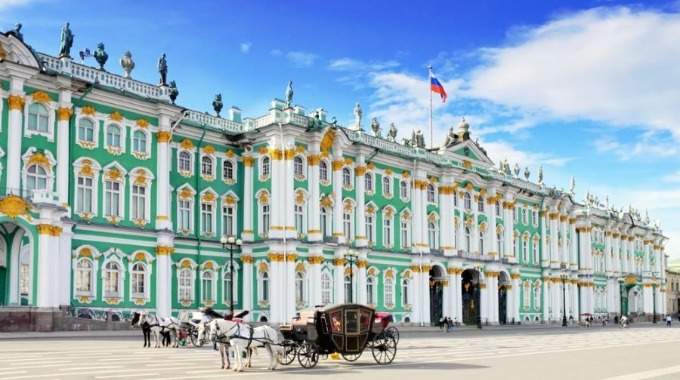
(360, 210)
(63, 143)
(164, 250)
(248, 196)
(163, 221)
(337, 165)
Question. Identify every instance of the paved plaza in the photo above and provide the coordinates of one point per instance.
(597, 353)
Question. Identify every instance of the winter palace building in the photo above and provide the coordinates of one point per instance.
(112, 198)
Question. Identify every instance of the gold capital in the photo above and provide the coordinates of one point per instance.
(16, 102)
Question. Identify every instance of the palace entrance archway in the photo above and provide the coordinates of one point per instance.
(470, 295)
(16, 265)
(503, 285)
(437, 278)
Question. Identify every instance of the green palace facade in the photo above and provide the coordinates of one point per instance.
(113, 198)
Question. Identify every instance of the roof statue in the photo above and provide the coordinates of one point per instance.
(515, 170)
(289, 94)
(127, 63)
(606, 202)
(540, 175)
(66, 42)
(358, 113)
(16, 32)
(419, 139)
(217, 104)
(163, 70)
(527, 174)
(451, 138)
(334, 121)
(101, 56)
(392, 133)
(174, 92)
(572, 186)
(375, 127)
(463, 130)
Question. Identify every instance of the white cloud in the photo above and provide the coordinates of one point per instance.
(615, 65)
(7, 4)
(276, 52)
(648, 145)
(672, 177)
(301, 58)
(245, 47)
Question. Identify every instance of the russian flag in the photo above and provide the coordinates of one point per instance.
(437, 87)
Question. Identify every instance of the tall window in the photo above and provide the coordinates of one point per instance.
(84, 190)
(112, 279)
(265, 220)
(480, 205)
(370, 290)
(347, 225)
(138, 281)
(534, 251)
(325, 223)
(84, 276)
(38, 118)
(86, 130)
(348, 290)
(455, 199)
(499, 243)
(498, 208)
(405, 283)
(370, 228)
(185, 161)
(430, 193)
(405, 233)
(432, 235)
(299, 218)
(207, 278)
(112, 195)
(537, 295)
(227, 170)
(226, 278)
(387, 231)
(467, 202)
(325, 288)
(389, 292)
(138, 202)
(387, 185)
(403, 189)
(206, 166)
(299, 288)
(525, 217)
(525, 249)
(139, 142)
(298, 167)
(346, 178)
(265, 286)
(186, 288)
(36, 178)
(481, 242)
(207, 218)
(467, 239)
(113, 136)
(534, 218)
(184, 215)
(368, 182)
(323, 171)
(228, 216)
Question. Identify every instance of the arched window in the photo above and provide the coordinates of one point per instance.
(84, 276)
(534, 251)
(38, 118)
(138, 281)
(455, 199)
(325, 288)
(139, 142)
(184, 161)
(387, 185)
(226, 281)
(405, 283)
(389, 292)
(325, 230)
(85, 189)
(323, 171)
(113, 136)
(36, 178)
(207, 280)
(112, 279)
(228, 170)
(265, 287)
(349, 296)
(298, 167)
(206, 166)
(86, 130)
(346, 177)
(432, 234)
(467, 202)
(403, 189)
(370, 290)
(186, 286)
(368, 182)
(430, 193)
(467, 239)
(299, 288)
(482, 251)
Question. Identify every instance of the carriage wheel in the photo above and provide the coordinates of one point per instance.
(193, 335)
(307, 355)
(351, 357)
(393, 332)
(289, 353)
(384, 349)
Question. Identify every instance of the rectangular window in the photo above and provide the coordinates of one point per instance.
(265, 220)
(347, 226)
(387, 232)
(184, 215)
(299, 215)
(369, 229)
(85, 194)
(228, 221)
(112, 198)
(206, 219)
(405, 243)
(138, 202)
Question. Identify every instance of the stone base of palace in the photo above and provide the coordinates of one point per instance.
(26, 318)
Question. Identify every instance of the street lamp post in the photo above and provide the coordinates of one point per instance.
(564, 300)
(653, 303)
(232, 242)
(351, 256)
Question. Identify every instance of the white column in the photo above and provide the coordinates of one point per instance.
(474, 234)
(573, 261)
(313, 210)
(164, 250)
(491, 230)
(508, 228)
(554, 235)
(163, 175)
(425, 292)
(47, 253)
(484, 300)
(338, 163)
(247, 280)
(492, 290)
(315, 260)
(339, 275)
(545, 256)
(247, 233)
(16, 108)
(516, 291)
(362, 264)
(446, 229)
(289, 285)
(63, 162)
(545, 293)
(460, 228)
(360, 209)
(65, 241)
(424, 243)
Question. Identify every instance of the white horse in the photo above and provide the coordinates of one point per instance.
(241, 337)
(153, 325)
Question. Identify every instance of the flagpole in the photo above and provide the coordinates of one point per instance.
(429, 89)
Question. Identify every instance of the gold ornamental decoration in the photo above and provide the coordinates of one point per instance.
(13, 206)
(40, 159)
(313, 159)
(44, 229)
(164, 250)
(40, 97)
(64, 113)
(186, 193)
(186, 144)
(163, 136)
(208, 149)
(248, 161)
(114, 174)
(88, 110)
(247, 259)
(315, 259)
(116, 116)
(229, 199)
(327, 140)
(208, 197)
(15, 102)
(142, 123)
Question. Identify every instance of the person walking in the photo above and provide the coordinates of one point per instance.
(668, 320)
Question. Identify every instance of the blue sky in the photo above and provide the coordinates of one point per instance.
(584, 88)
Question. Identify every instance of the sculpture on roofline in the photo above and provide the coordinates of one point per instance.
(334, 122)
(66, 42)
(163, 70)
(375, 127)
(358, 113)
(127, 64)
(516, 170)
(540, 175)
(217, 104)
(174, 92)
(451, 138)
(100, 55)
(392, 133)
(420, 139)
(17, 32)
(572, 186)
(526, 173)
(289, 94)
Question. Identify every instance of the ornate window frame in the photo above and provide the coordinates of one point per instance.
(188, 265)
(114, 172)
(89, 113)
(186, 146)
(263, 273)
(209, 153)
(141, 177)
(301, 202)
(229, 180)
(223, 277)
(185, 193)
(229, 200)
(347, 173)
(325, 162)
(389, 276)
(388, 215)
(116, 151)
(112, 256)
(264, 165)
(91, 254)
(86, 167)
(209, 268)
(387, 193)
(263, 199)
(405, 227)
(303, 167)
(208, 197)
(371, 175)
(43, 99)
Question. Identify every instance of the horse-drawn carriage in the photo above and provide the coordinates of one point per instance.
(345, 329)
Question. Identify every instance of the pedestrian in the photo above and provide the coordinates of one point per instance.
(668, 320)
(449, 324)
(441, 323)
